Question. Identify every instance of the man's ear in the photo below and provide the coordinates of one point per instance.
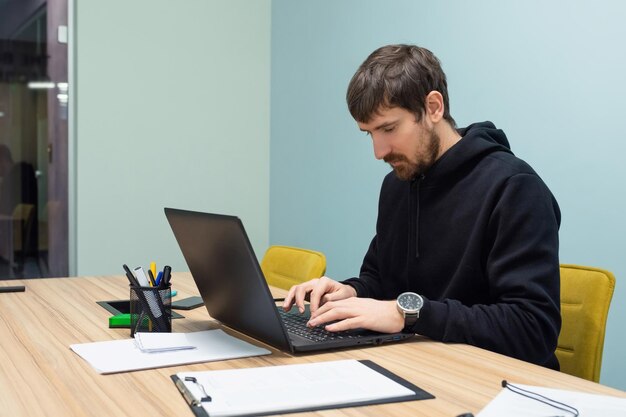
(434, 106)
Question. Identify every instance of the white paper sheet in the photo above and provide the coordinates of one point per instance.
(122, 355)
(510, 404)
(290, 387)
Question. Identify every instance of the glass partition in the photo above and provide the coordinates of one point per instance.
(33, 139)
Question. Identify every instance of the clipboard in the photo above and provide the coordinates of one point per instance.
(200, 397)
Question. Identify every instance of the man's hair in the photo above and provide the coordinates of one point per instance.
(397, 76)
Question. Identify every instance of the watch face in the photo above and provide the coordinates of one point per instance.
(410, 302)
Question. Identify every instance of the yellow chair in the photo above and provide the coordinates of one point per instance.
(585, 298)
(285, 266)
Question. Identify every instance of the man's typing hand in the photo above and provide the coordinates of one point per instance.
(318, 291)
(359, 313)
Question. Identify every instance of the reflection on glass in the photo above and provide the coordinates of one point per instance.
(24, 89)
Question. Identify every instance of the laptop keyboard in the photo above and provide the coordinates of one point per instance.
(296, 323)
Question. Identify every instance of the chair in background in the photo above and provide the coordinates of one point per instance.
(43, 237)
(285, 266)
(585, 298)
(24, 243)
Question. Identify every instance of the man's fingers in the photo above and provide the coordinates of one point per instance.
(303, 293)
(355, 313)
(328, 312)
(299, 297)
(311, 291)
(288, 302)
(332, 296)
(347, 324)
(318, 293)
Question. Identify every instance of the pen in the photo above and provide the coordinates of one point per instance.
(134, 283)
(151, 276)
(151, 301)
(16, 288)
(131, 277)
(158, 278)
(141, 276)
(167, 274)
(153, 268)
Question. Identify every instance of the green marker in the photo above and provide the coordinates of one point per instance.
(119, 321)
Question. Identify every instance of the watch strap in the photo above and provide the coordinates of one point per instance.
(410, 319)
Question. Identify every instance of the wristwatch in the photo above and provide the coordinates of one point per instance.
(409, 305)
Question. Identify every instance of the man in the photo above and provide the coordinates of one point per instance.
(466, 228)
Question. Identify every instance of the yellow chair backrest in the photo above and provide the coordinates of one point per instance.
(585, 298)
(285, 266)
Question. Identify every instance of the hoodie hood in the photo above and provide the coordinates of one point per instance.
(486, 130)
(477, 141)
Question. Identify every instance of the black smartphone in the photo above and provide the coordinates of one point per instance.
(188, 303)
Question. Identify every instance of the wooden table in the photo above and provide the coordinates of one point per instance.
(40, 375)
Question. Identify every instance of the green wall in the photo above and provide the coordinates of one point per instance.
(172, 109)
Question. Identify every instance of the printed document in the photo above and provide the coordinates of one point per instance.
(123, 355)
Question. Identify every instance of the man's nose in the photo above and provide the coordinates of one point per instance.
(381, 148)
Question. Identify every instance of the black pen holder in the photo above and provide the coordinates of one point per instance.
(150, 310)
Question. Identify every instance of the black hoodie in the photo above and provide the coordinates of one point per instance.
(477, 237)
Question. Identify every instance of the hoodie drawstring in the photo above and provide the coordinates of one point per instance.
(417, 217)
(417, 183)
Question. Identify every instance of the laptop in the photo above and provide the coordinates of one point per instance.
(227, 273)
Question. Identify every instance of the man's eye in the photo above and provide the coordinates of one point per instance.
(389, 129)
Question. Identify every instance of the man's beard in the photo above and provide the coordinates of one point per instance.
(407, 170)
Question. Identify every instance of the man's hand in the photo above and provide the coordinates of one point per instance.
(359, 313)
(319, 291)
